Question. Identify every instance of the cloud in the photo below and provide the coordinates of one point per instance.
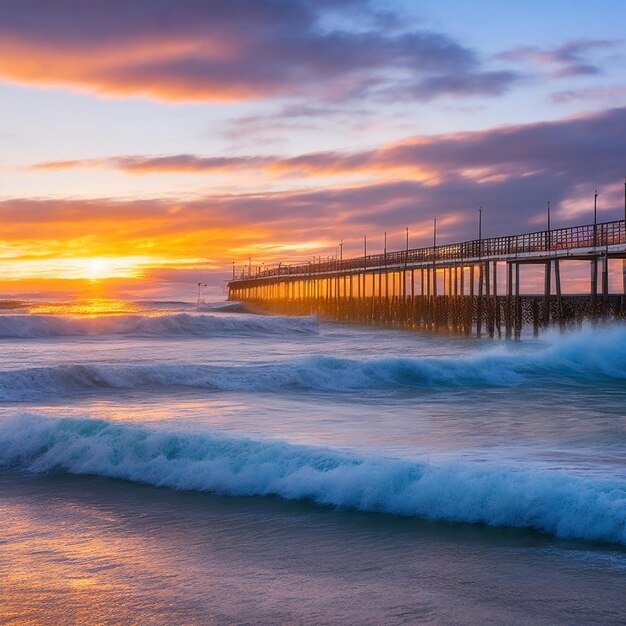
(608, 93)
(471, 83)
(510, 171)
(163, 164)
(569, 59)
(267, 128)
(225, 50)
(572, 148)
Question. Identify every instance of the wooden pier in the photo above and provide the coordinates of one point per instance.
(449, 287)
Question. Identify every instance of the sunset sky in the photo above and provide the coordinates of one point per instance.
(151, 143)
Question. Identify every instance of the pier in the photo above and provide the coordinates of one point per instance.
(454, 287)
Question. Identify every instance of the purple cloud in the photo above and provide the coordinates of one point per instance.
(572, 58)
(220, 50)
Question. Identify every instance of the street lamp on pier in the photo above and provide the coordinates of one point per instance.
(595, 218)
(480, 232)
(548, 233)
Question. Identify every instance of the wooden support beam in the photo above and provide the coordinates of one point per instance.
(495, 298)
(547, 290)
(488, 304)
(605, 285)
(479, 307)
(594, 287)
(518, 302)
(486, 278)
(557, 285)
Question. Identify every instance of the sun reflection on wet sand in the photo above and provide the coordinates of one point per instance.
(73, 562)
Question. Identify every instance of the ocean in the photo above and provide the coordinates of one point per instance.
(166, 465)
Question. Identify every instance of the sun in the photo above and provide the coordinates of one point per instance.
(97, 268)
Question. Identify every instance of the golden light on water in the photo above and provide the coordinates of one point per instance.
(91, 306)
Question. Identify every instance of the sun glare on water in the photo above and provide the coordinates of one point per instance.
(89, 306)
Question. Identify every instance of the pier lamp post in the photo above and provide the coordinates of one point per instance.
(385, 248)
(548, 237)
(595, 217)
(480, 232)
(434, 255)
(364, 261)
(341, 251)
(624, 261)
(200, 285)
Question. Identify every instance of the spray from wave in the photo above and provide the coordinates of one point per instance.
(180, 324)
(562, 504)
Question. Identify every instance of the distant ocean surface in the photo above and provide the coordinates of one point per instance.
(163, 464)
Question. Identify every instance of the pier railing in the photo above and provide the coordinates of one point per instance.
(544, 241)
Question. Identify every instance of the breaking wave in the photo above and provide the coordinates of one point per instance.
(574, 360)
(180, 324)
(562, 504)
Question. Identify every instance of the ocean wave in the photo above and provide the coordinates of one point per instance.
(580, 359)
(562, 504)
(223, 307)
(180, 324)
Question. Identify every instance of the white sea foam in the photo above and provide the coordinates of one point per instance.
(562, 504)
(574, 360)
(179, 324)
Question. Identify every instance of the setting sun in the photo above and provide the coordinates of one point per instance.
(98, 268)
